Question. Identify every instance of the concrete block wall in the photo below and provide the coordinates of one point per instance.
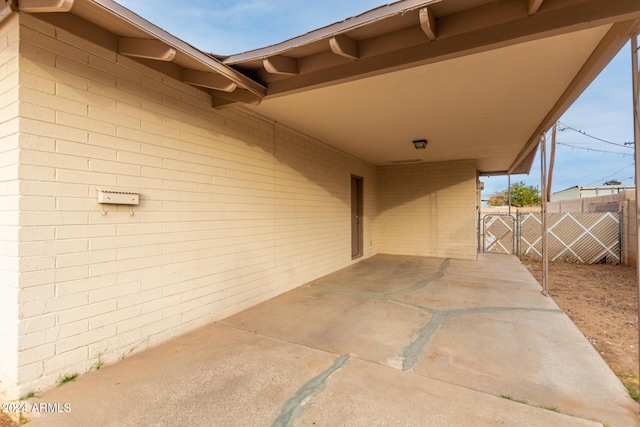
(629, 234)
(9, 202)
(234, 209)
(606, 203)
(428, 209)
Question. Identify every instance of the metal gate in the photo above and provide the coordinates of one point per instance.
(498, 233)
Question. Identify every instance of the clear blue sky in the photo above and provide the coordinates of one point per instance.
(229, 26)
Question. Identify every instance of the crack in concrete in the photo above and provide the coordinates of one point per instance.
(415, 348)
(293, 407)
(444, 266)
(438, 318)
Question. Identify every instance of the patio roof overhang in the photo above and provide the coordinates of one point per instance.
(130, 35)
(479, 79)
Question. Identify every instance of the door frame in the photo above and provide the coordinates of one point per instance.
(357, 216)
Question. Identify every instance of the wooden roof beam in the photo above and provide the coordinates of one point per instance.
(281, 65)
(497, 24)
(45, 6)
(146, 48)
(534, 6)
(208, 80)
(344, 46)
(428, 23)
(229, 99)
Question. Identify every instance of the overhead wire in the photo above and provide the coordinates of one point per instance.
(572, 145)
(601, 140)
(593, 149)
(597, 173)
(581, 132)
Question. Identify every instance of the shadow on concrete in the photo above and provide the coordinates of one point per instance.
(391, 340)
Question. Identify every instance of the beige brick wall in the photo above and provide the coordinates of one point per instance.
(428, 209)
(9, 203)
(234, 209)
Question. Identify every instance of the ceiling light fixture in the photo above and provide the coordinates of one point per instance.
(420, 144)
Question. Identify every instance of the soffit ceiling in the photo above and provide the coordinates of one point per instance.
(479, 79)
(483, 106)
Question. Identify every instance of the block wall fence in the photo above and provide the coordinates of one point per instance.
(234, 209)
(629, 234)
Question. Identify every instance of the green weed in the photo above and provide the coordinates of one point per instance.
(99, 364)
(67, 379)
(508, 397)
(27, 395)
(630, 382)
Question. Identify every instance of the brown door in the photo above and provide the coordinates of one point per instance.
(356, 217)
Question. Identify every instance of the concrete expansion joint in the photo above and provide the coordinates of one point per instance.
(294, 406)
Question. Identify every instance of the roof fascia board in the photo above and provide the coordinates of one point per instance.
(610, 45)
(327, 32)
(493, 26)
(152, 30)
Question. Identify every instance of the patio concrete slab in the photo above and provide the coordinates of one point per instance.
(390, 340)
(455, 291)
(355, 395)
(341, 321)
(383, 274)
(530, 360)
(213, 376)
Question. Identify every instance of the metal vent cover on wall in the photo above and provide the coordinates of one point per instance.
(118, 197)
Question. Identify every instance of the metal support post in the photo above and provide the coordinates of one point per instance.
(543, 214)
(636, 134)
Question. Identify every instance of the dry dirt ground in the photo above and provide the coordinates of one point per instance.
(602, 300)
(5, 421)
